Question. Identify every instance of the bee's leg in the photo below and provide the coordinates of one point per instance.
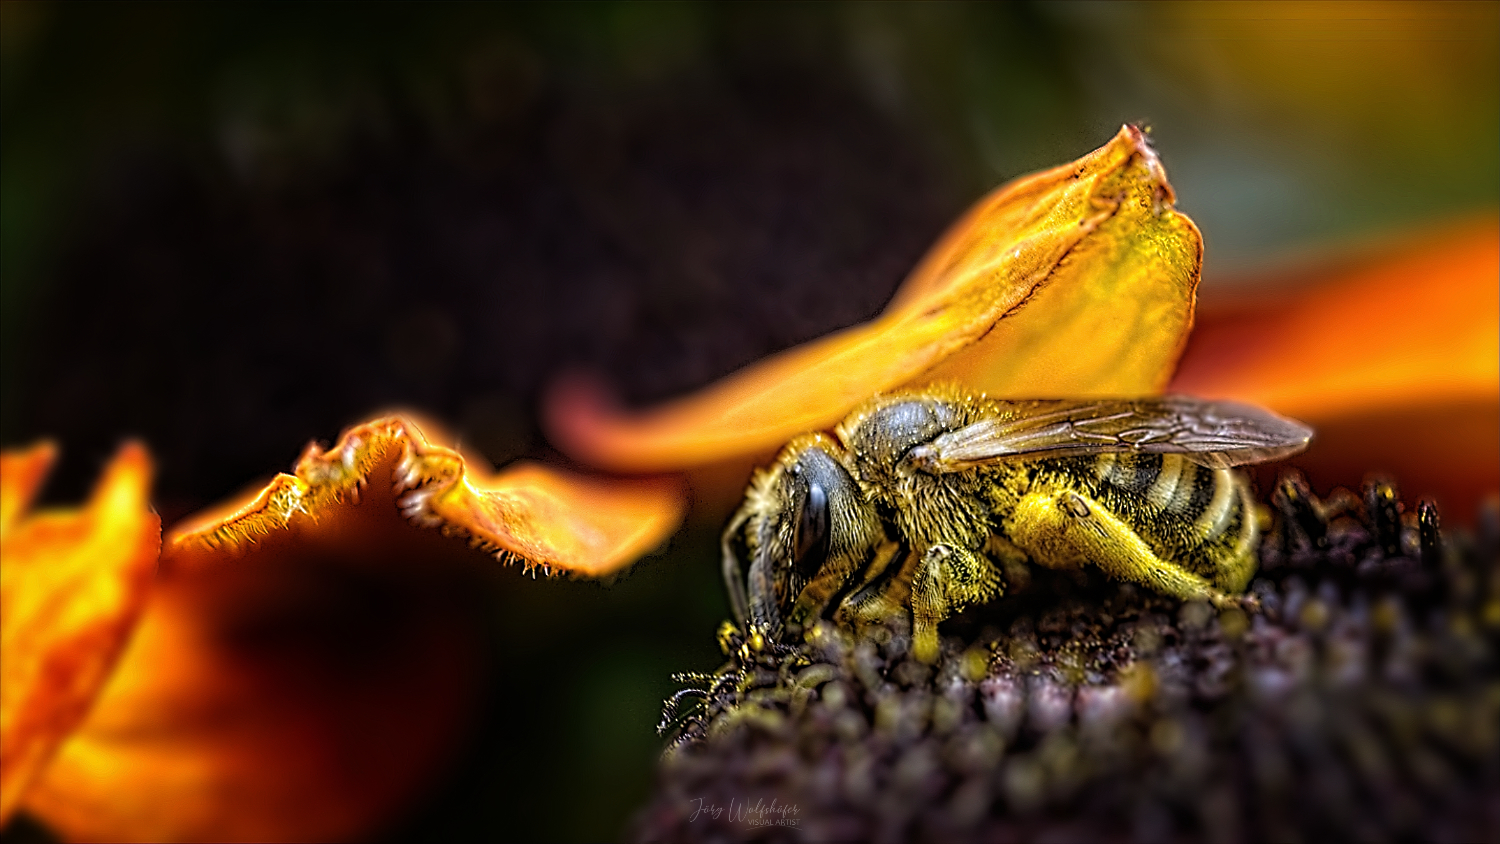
(1062, 529)
(877, 595)
(948, 578)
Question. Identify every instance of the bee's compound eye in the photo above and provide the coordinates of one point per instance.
(1075, 505)
(811, 538)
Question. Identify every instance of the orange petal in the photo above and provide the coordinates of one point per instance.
(71, 590)
(530, 513)
(1394, 359)
(21, 475)
(1075, 281)
(310, 658)
(308, 686)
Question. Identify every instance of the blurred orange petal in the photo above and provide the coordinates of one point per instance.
(527, 512)
(1072, 282)
(1394, 359)
(72, 587)
(310, 686)
(311, 658)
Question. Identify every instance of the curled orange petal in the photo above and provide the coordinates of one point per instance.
(1072, 282)
(311, 658)
(1393, 358)
(311, 685)
(72, 587)
(527, 512)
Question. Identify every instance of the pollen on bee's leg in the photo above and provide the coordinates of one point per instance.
(924, 642)
(1048, 526)
(948, 579)
(929, 606)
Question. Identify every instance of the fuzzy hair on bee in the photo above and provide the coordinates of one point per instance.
(918, 502)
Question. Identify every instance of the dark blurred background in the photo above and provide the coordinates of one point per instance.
(230, 228)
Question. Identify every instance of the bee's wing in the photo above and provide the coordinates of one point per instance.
(1211, 433)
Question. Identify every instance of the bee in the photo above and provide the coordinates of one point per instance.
(918, 503)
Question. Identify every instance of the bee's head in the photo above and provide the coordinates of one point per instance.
(804, 516)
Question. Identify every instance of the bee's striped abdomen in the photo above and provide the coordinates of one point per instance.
(1168, 482)
(1201, 518)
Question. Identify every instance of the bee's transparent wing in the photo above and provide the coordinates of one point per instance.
(1211, 433)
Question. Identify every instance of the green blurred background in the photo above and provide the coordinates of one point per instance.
(228, 228)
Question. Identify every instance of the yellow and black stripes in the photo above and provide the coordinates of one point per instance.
(1199, 518)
